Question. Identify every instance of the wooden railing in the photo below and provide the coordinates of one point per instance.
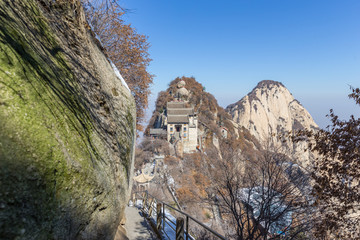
(164, 225)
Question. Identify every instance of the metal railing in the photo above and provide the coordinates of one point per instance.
(163, 223)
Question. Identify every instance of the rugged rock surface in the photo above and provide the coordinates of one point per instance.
(210, 115)
(213, 119)
(67, 126)
(183, 177)
(270, 110)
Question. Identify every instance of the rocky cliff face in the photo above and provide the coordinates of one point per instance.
(270, 110)
(67, 126)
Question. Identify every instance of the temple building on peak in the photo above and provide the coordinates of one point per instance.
(178, 124)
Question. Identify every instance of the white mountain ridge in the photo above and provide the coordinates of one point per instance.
(270, 110)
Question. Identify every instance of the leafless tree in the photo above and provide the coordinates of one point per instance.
(261, 199)
(155, 146)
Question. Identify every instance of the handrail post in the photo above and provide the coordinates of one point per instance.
(158, 216)
(144, 200)
(179, 228)
(182, 223)
(133, 198)
(150, 209)
(163, 217)
(187, 227)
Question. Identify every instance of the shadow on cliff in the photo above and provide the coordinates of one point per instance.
(32, 203)
(41, 53)
(32, 213)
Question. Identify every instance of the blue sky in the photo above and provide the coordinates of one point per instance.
(311, 46)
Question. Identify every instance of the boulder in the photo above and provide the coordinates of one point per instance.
(67, 126)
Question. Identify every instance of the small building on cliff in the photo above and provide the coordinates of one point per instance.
(181, 125)
(178, 124)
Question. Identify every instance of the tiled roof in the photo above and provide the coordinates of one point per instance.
(175, 105)
(180, 111)
(157, 131)
(178, 119)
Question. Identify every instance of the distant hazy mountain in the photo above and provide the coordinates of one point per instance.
(270, 110)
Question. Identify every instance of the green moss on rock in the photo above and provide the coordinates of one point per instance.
(56, 158)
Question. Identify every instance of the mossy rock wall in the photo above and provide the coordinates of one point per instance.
(67, 126)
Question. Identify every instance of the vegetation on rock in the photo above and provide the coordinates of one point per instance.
(336, 175)
(218, 183)
(66, 141)
(261, 198)
(126, 48)
(210, 114)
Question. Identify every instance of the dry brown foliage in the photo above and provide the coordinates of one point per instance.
(210, 114)
(126, 48)
(185, 194)
(171, 161)
(141, 158)
(336, 174)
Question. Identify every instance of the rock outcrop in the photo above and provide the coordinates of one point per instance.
(211, 118)
(67, 126)
(269, 111)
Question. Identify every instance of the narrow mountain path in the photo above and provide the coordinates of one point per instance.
(137, 228)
